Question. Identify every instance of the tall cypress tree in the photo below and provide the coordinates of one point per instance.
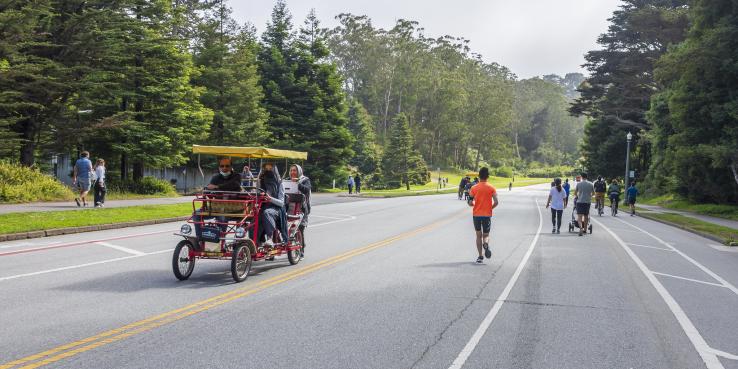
(401, 162)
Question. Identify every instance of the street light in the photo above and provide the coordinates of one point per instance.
(55, 161)
(629, 137)
(79, 129)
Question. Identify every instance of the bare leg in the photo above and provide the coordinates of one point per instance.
(480, 240)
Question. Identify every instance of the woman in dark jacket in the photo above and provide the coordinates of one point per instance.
(273, 212)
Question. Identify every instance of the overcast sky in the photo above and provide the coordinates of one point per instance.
(531, 37)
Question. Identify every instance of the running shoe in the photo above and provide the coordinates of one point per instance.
(480, 260)
(487, 251)
(77, 201)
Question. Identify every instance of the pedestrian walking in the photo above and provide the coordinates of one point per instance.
(566, 186)
(350, 184)
(557, 201)
(99, 187)
(583, 198)
(357, 183)
(483, 198)
(509, 187)
(632, 194)
(82, 177)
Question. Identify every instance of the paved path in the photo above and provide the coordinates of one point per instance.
(387, 283)
(706, 218)
(318, 199)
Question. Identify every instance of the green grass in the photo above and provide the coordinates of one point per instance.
(36, 221)
(729, 236)
(676, 203)
(115, 195)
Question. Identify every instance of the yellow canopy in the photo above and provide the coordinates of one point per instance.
(472, 174)
(249, 152)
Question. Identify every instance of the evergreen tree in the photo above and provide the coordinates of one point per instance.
(366, 156)
(401, 162)
(696, 115)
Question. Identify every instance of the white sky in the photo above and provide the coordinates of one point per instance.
(531, 37)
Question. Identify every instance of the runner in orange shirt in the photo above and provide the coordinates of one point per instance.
(483, 198)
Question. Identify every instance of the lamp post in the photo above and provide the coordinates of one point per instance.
(629, 137)
(55, 161)
(79, 130)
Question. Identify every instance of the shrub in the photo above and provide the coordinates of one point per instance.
(505, 172)
(24, 184)
(145, 186)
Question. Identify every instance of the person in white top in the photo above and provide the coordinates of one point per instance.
(557, 200)
(99, 186)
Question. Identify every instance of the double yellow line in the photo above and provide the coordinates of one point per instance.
(77, 347)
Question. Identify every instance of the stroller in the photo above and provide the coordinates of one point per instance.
(574, 223)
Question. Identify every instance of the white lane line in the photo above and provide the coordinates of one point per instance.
(699, 343)
(702, 267)
(81, 265)
(24, 244)
(650, 247)
(331, 222)
(482, 329)
(689, 279)
(121, 248)
(723, 354)
(325, 216)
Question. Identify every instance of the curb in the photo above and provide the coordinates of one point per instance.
(82, 229)
(699, 233)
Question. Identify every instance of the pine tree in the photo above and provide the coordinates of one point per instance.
(366, 156)
(401, 162)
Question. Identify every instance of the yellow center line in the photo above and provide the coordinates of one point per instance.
(118, 334)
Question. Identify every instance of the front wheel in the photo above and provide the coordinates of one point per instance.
(241, 262)
(295, 255)
(182, 261)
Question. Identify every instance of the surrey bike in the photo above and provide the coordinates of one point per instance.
(230, 222)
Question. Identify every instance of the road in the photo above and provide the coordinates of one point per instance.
(386, 283)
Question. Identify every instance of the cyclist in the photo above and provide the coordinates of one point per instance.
(614, 192)
(600, 187)
(462, 186)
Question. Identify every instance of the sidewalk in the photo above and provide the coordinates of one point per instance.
(705, 218)
(70, 205)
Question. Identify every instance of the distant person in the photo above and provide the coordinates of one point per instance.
(509, 187)
(557, 202)
(483, 198)
(566, 186)
(462, 186)
(350, 184)
(99, 187)
(600, 187)
(583, 199)
(357, 183)
(82, 177)
(614, 193)
(247, 177)
(632, 194)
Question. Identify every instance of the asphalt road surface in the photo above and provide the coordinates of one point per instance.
(387, 283)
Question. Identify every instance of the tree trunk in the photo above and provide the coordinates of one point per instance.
(138, 170)
(123, 167)
(28, 145)
(479, 150)
(734, 169)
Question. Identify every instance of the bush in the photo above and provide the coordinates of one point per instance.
(146, 186)
(23, 184)
(505, 172)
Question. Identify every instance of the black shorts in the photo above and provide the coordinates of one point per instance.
(631, 201)
(583, 208)
(482, 224)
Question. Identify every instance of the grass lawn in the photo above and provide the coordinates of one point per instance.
(729, 236)
(36, 221)
(675, 203)
(113, 195)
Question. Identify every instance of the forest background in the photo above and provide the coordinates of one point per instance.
(138, 82)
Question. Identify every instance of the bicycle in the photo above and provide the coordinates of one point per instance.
(600, 205)
(614, 207)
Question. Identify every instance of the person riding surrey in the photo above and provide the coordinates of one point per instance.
(305, 188)
(614, 192)
(483, 198)
(273, 212)
(82, 176)
(225, 180)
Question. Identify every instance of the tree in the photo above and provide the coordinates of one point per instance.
(617, 95)
(696, 115)
(366, 155)
(401, 162)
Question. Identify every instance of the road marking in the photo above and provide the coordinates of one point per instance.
(723, 354)
(650, 247)
(689, 279)
(697, 264)
(482, 329)
(118, 334)
(81, 266)
(708, 357)
(79, 243)
(351, 217)
(24, 244)
(121, 248)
